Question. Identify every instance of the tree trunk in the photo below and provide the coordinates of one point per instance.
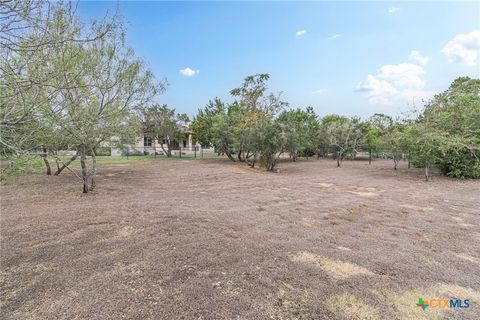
(57, 162)
(339, 157)
(66, 164)
(268, 160)
(229, 155)
(167, 153)
(426, 173)
(47, 164)
(240, 151)
(408, 159)
(370, 156)
(273, 161)
(93, 182)
(239, 156)
(84, 170)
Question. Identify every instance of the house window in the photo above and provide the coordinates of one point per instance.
(147, 141)
(184, 143)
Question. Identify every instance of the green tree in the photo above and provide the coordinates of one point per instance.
(270, 140)
(425, 143)
(301, 129)
(392, 140)
(375, 128)
(103, 86)
(214, 125)
(342, 134)
(165, 125)
(251, 107)
(241, 125)
(31, 32)
(456, 114)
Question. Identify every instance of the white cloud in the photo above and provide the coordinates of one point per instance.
(335, 36)
(378, 91)
(187, 72)
(464, 48)
(403, 74)
(418, 57)
(319, 91)
(395, 84)
(393, 10)
(300, 33)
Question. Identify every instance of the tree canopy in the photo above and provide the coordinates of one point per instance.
(70, 85)
(65, 84)
(260, 125)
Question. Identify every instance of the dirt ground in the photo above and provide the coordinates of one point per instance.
(211, 239)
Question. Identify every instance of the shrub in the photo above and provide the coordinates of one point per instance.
(461, 163)
(131, 152)
(103, 151)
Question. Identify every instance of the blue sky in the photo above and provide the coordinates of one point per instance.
(350, 58)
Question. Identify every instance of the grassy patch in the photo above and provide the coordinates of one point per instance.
(13, 167)
(285, 305)
(351, 307)
(336, 269)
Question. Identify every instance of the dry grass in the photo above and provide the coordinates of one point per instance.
(289, 305)
(217, 240)
(469, 258)
(336, 269)
(364, 191)
(416, 208)
(352, 307)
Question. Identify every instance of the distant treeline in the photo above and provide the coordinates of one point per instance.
(70, 85)
(257, 127)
